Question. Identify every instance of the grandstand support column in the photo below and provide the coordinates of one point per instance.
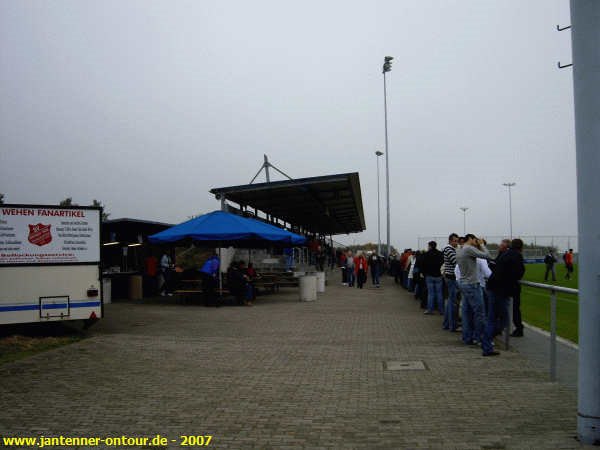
(585, 36)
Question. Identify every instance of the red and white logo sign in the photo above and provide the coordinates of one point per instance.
(39, 234)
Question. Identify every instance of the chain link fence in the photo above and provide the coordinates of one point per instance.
(536, 246)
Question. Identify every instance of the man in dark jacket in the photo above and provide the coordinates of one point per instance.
(550, 260)
(431, 268)
(376, 264)
(420, 290)
(210, 280)
(504, 283)
(237, 281)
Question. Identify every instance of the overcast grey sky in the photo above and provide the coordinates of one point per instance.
(146, 105)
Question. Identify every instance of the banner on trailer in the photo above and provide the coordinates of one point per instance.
(49, 235)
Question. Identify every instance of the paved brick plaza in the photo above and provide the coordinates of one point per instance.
(287, 375)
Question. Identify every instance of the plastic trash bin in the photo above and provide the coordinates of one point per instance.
(308, 288)
(320, 281)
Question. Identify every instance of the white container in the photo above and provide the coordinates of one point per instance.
(308, 288)
(320, 281)
(299, 274)
(106, 290)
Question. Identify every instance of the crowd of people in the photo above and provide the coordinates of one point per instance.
(240, 281)
(464, 275)
(356, 268)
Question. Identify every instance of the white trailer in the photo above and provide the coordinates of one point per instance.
(49, 263)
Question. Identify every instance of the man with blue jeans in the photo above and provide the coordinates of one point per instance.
(375, 265)
(483, 273)
(466, 258)
(431, 268)
(449, 253)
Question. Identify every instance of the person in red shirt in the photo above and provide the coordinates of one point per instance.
(150, 272)
(360, 269)
(569, 263)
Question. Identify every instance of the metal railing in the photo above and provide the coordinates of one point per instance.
(553, 290)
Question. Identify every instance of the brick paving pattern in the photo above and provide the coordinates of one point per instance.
(286, 374)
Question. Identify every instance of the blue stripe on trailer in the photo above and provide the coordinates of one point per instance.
(85, 304)
(19, 308)
(49, 306)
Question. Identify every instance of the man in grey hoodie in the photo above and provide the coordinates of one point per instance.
(466, 258)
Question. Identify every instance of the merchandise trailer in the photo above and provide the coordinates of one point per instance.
(50, 268)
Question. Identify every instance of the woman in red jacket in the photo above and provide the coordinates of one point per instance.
(360, 269)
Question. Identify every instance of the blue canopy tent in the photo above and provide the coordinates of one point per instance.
(223, 229)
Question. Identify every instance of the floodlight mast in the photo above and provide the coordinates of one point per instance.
(387, 67)
(464, 210)
(510, 185)
(378, 154)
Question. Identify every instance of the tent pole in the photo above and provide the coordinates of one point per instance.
(220, 275)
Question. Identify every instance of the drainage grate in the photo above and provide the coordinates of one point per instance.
(404, 365)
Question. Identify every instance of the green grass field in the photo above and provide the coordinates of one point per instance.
(22, 340)
(535, 303)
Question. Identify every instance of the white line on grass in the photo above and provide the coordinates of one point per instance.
(564, 341)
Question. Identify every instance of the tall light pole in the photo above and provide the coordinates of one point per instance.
(464, 210)
(378, 154)
(387, 67)
(509, 185)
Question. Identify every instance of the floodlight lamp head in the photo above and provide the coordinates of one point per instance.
(388, 58)
(387, 66)
(378, 153)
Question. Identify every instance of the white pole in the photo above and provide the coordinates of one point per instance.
(378, 154)
(387, 167)
(510, 185)
(585, 37)
(510, 210)
(464, 210)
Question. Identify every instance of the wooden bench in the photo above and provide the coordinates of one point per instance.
(288, 284)
(268, 285)
(192, 294)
